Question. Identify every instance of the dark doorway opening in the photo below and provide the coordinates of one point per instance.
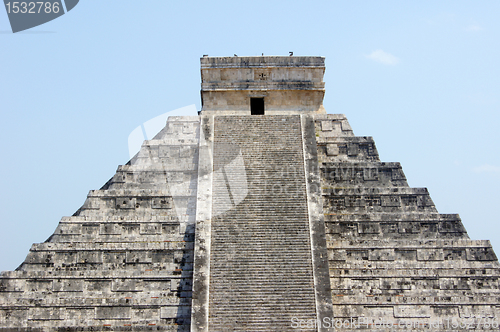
(257, 106)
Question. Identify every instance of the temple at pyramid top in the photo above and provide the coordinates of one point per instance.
(270, 85)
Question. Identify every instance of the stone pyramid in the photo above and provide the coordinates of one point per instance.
(263, 213)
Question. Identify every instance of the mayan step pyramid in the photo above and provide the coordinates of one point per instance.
(263, 213)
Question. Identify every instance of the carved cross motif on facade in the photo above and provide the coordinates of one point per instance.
(262, 76)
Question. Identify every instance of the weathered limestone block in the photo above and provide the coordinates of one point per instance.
(39, 285)
(454, 254)
(347, 311)
(91, 229)
(126, 285)
(175, 312)
(408, 227)
(12, 285)
(13, 317)
(68, 285)
(162, 203)
(481, 254)
(89, 257)
(47, 314)
(337, 255)
(114, 257)
(412, 311)
(427, 284)
(430, 254)
(157, 285)
(69, 229)
(488, 283)
(369, 228)
(78, 316)
(332, 150)
(107, 313)
(110, 229)
(99, 286)
(395, 283)
(326, 125)
(145, 314)
(454, 283)
(478, 311)
(65, 258)
(40, 257)
(138, 257)
(405, 255)
(382, 255)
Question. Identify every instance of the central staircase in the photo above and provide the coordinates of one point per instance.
(261, 275)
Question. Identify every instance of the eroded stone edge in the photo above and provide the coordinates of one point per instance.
(323, 293)
(201, 267)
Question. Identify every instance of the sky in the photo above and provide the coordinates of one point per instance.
(422, 78)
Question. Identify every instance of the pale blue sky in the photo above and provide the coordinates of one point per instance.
(422, 78)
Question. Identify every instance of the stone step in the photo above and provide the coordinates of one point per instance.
(261, 265)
